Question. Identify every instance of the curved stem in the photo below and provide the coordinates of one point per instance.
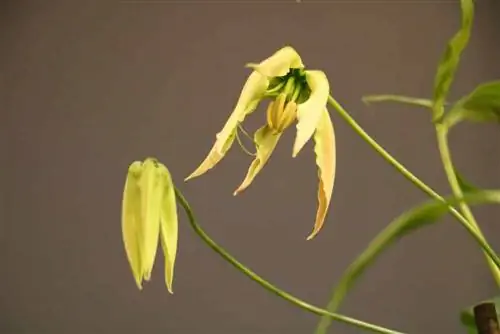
(386, 155)
(325, 322)
(265, 284)
(402, 169)
(444, 150)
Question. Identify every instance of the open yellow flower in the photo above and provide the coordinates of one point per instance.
(149, 213)
(296, 94)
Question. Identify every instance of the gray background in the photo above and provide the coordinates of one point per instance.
(88, 87)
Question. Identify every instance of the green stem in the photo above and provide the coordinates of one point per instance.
(444, 150)
(387, 156)
(406, 173)
(265, 284)
(398, 98)
(325, 322)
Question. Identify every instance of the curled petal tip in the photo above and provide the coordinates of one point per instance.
(311, 236)
(238, 191)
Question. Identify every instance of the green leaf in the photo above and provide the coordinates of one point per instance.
(418, 217)
(467, 315)
(482, 105)
(451, 58)
(399, 99)
(464, 184)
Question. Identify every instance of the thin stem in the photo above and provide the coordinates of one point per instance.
(398, 98)
(406, 173)
(444, 150)
(245, 132)
(265, 284)
(240, 142)
(325, 322)
(386, 155)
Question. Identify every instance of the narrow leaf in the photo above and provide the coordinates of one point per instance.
(464, 184)
(482, 105)
(451, 57)
(398, 99)
(418, 217)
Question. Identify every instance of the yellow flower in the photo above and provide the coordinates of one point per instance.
(149, 213)
(296, 94)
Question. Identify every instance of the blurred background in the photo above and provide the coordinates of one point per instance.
(87, 87)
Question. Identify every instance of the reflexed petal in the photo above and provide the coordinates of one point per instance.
(131, 220)
(309, 112)
(279, 64)
(325, 151)
(152, 187)
(265, 141)
(169, 228)
(249, 99)
(213, 158)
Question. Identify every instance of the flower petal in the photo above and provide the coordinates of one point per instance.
(279, 64)
(152, 194)
(325, 151)
(248, 101)
(265, 141)
(169, 228)
(131, 220)
(309, 112)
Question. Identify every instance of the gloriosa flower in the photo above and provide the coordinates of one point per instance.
(296, 94)
(149, 213)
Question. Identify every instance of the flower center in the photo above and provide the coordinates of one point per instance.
(281, 113)
(287, 92)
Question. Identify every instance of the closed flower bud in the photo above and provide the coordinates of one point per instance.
(149, 214)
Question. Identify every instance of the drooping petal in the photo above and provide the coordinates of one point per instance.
(325, 151)
(151, 196)
(248, 101)
(169, 228)
(279, 64)
(265, 141)
(213, 158)
(309, 112)
(131, 220)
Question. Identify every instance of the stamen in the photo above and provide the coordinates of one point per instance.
(245, 132)
(243, 148)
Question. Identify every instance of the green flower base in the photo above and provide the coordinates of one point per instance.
(467, 315)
